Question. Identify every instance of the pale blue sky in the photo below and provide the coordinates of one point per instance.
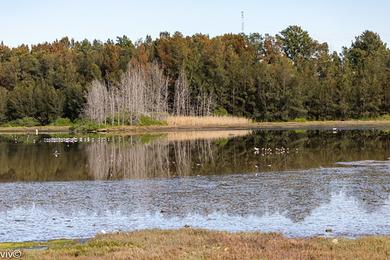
(334, 21)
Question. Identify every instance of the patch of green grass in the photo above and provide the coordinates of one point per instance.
(384, 117)
(94, 247)
(23, 122)
(59, 243)
(149, 121)
(85, 126)
(220, 111)
(299, 120)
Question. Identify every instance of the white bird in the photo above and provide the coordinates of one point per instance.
(56, 153)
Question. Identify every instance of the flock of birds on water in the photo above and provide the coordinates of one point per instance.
(266, 151)
(66, 140)
(261, 151)
(76, 140)
(270, 151)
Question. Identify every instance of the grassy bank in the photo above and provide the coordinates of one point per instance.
(32, 129)
(221, 123)
(202, 244)
(203, 123)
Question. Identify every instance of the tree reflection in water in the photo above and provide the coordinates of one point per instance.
(184, 154)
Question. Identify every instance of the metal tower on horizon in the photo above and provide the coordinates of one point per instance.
(242, 22)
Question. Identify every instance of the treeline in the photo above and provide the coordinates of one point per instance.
(143, 93)
(280, 77)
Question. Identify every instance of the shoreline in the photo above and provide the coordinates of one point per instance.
(309, 125)
(199, 243)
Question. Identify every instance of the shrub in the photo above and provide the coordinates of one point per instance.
(62, 122)
(299, 119)
(220, 111)
(385, 117)
(84, 126)
(148, 121)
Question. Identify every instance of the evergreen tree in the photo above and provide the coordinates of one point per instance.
(266, 77)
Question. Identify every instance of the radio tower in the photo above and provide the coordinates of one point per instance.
(242, 22)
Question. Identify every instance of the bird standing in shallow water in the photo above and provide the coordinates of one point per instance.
(56, 153)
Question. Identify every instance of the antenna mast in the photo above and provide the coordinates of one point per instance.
(242, 22)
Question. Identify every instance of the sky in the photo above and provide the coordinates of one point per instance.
(336, 22)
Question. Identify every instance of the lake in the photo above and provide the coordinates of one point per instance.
(300, 183)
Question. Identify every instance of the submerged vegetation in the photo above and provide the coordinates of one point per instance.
(290, 76)
(202, 244)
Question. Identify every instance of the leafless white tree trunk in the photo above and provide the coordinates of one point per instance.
(96, 102)
(184, 102)
(143, 90)
(182, 96)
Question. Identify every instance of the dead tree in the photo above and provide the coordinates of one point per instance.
(182, 96)
(142, 91)
(96, 103)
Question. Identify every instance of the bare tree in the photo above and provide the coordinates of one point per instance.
(96, 102)
(157, 92)
(186, 103)
(182, 95)
(143, 90)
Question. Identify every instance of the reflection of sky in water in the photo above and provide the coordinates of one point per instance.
(352, 201)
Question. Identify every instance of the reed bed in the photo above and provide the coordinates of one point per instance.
(207, 121)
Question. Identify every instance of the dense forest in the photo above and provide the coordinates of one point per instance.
(263, 77)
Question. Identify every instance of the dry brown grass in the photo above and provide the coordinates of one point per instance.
(203, 121)
(202, 244)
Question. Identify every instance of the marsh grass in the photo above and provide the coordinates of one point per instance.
(53, 244)
(201, 244)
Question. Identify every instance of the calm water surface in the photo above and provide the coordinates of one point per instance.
(299, 183)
